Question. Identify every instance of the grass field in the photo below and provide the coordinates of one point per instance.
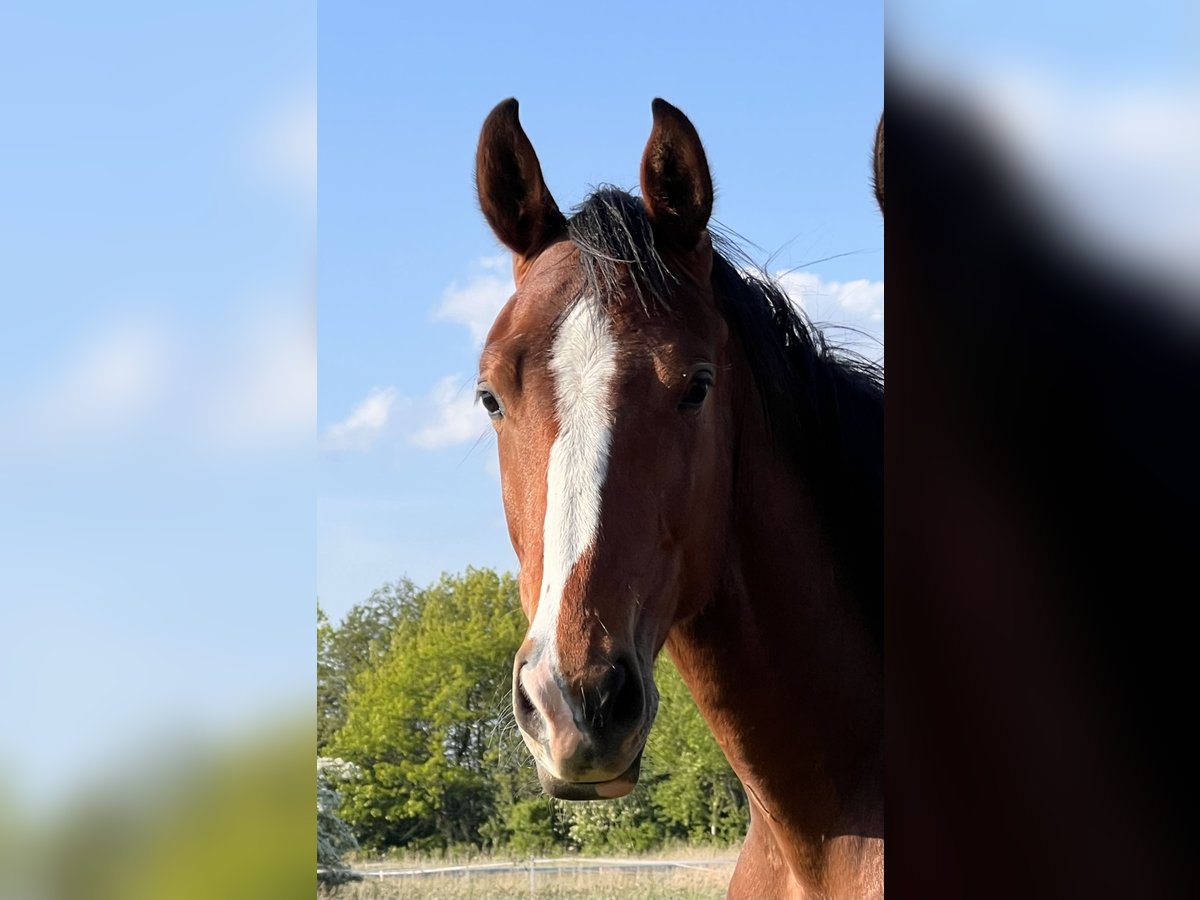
(669, 884)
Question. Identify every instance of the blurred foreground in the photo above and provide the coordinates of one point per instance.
(229, 820)
(1042, 507)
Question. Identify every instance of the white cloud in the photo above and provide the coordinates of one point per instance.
(860, 298)
(266, 389)
(112, 381)
(447, 415)
(457, 418)
(850, 313)
(477, 303)
(364, 425)
(283, 149)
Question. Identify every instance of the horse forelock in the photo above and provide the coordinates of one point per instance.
(617, 254)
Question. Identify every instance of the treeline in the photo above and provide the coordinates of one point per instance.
(414, 692)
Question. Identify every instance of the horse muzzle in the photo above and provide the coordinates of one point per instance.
(586, 733)
(591, 790)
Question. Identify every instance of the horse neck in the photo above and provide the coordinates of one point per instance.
(779, 661)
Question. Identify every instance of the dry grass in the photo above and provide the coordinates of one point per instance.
(668, 884)
(410, 859)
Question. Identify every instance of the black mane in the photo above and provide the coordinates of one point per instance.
(824, 405)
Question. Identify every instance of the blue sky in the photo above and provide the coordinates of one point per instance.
(157, 380)
(785, 98)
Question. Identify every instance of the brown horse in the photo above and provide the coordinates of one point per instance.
(685, 462)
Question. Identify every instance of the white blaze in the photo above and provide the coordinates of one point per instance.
(582, 362)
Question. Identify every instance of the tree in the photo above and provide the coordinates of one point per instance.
(331, 686)
(334, 836)
(530, 826)
(694, 791)
(364, 635)
(623, 825)
(422, 719)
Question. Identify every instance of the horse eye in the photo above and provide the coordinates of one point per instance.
(490, 403)
(696, 392)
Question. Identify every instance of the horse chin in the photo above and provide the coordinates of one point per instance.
(591, 790)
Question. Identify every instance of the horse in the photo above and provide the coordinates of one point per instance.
(687, 463)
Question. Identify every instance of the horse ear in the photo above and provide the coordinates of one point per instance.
(877, 165)
(512, 193)
(676, 185)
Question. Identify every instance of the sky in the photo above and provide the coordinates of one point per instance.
(157, 381)
(785, 98)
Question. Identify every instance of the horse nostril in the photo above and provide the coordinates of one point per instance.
(621, 697)
(523, 706)
(607, 692)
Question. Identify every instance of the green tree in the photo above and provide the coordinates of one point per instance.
(331, 686)
(422, 719)
(363, 636)
(695, 794)
(623, 825)
(531, 826)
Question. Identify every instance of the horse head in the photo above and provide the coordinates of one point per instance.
(608, 382)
